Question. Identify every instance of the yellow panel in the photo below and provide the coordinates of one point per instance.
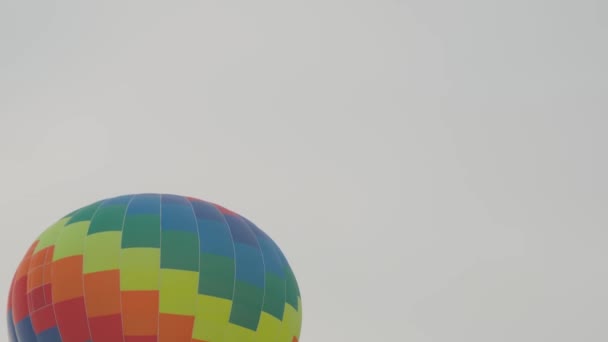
(71, 240)
(212, 314)
(178, 291)
(139, 268)
(49, 236)
(102, 251)
(268, 329)
(236, 333)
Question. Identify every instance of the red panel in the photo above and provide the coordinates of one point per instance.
(20, 307)
(225, 211)
(48, 294)
(43, 319)
(72, 320)
(106, 328)
(10, 296)
(18, 295)
(36, 298)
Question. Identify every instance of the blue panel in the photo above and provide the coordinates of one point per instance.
(204, 210)
(174, 199)
(50, 335)
(249, 265)
(240, 231)
(177, 216)
(215, 238)
(12, 334)
(147, 204)
(257, 231)
(25, 332)
(272, 261)
(120, 200)
(281, 255)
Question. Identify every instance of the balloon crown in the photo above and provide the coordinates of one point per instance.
(154, 267)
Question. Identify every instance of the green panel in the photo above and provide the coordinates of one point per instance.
(291, 288)
(68, 216)
(139, 269)
(211, 318)
(49, 236)
(246, 305)
(179, 250)
(141, 231)
(178, 291)
(108, 218)
(102, 252)
(86, 213)
(274, 295)
(71, 240)
(216, 276)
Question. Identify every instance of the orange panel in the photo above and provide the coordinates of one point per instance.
(102, 293)
(46, 273)
(175, 328)
(66, 278)
(140, 313)
(39, 257)
(25, 262)
(49, 255)
(34, 279)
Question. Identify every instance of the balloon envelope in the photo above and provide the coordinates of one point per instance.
(154, 267)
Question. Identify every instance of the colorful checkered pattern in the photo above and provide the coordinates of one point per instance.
(154, 268)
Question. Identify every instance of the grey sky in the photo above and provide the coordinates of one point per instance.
(434, 171)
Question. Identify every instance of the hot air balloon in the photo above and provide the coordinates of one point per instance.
(154, 267)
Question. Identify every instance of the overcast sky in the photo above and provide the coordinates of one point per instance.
(433, 170)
